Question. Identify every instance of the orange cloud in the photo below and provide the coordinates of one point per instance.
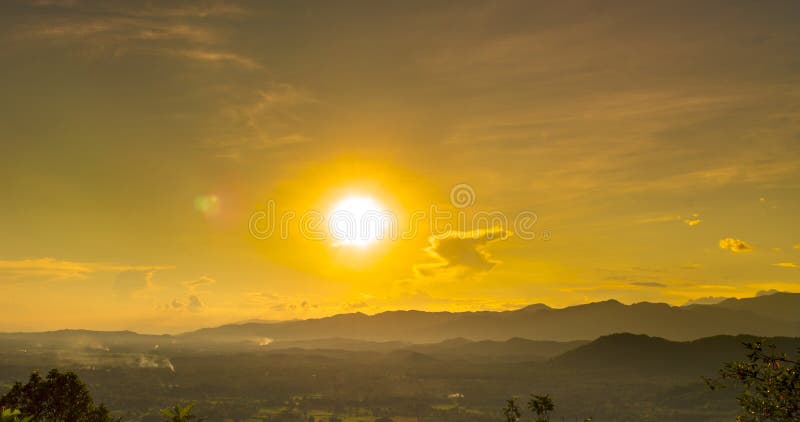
(735, 245)
(51, 269)
(693, 220)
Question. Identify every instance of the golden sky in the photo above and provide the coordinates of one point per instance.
(657, 144)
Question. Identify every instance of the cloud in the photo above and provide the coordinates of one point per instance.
(769, 292)
(463, 252)
(45, 269)
(129, 283)
(191, 303)
(198, 284)
(51, 269)
(261, 298)
(693, 220)
(114, 29)
(648, 284)
(159, 9)
(218, 57)
(276, 116)
(293, 307)
(735, 245)
(279, 303)
(786, 265)
(706, 300)
(195, 10)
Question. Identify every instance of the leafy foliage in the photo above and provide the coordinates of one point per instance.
(511, 411)
(180, 413)
(771, 383)
(59, 397)
(9, 415)
(542, 406)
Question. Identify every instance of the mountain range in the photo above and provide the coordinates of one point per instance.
(773, 315)
(769, 315)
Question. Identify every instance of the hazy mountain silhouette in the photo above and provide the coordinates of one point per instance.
(644, 354)
(765, 315)
(781, 305)
(470, 333)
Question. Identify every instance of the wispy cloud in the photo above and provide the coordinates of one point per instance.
(218, 57)
(163, 28)
(276, 116)
(279, 303)
(166, 8)
(199, 283)
(691, 221)
(46, 268)
(50, 269)
(705, 300)
(648, 284)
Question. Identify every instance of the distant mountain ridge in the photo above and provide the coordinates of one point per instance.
(645, 354)
(768, 315)
(773, 315)
(781, 305)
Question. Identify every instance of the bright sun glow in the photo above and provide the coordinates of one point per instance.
(358, 221)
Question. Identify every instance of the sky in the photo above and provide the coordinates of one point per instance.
(641, 151)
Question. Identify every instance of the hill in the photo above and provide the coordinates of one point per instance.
(646, 355)
(780, 306)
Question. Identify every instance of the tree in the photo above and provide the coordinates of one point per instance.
(180, 414)
(9, 415)
(771, 383)
(511, 411)
(542, 406)
(61, 397)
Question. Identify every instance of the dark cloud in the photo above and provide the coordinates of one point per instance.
(191, 303)
(465, 252)
(195, 304)
(288, 306)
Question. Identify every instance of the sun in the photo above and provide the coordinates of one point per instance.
(358, 221)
